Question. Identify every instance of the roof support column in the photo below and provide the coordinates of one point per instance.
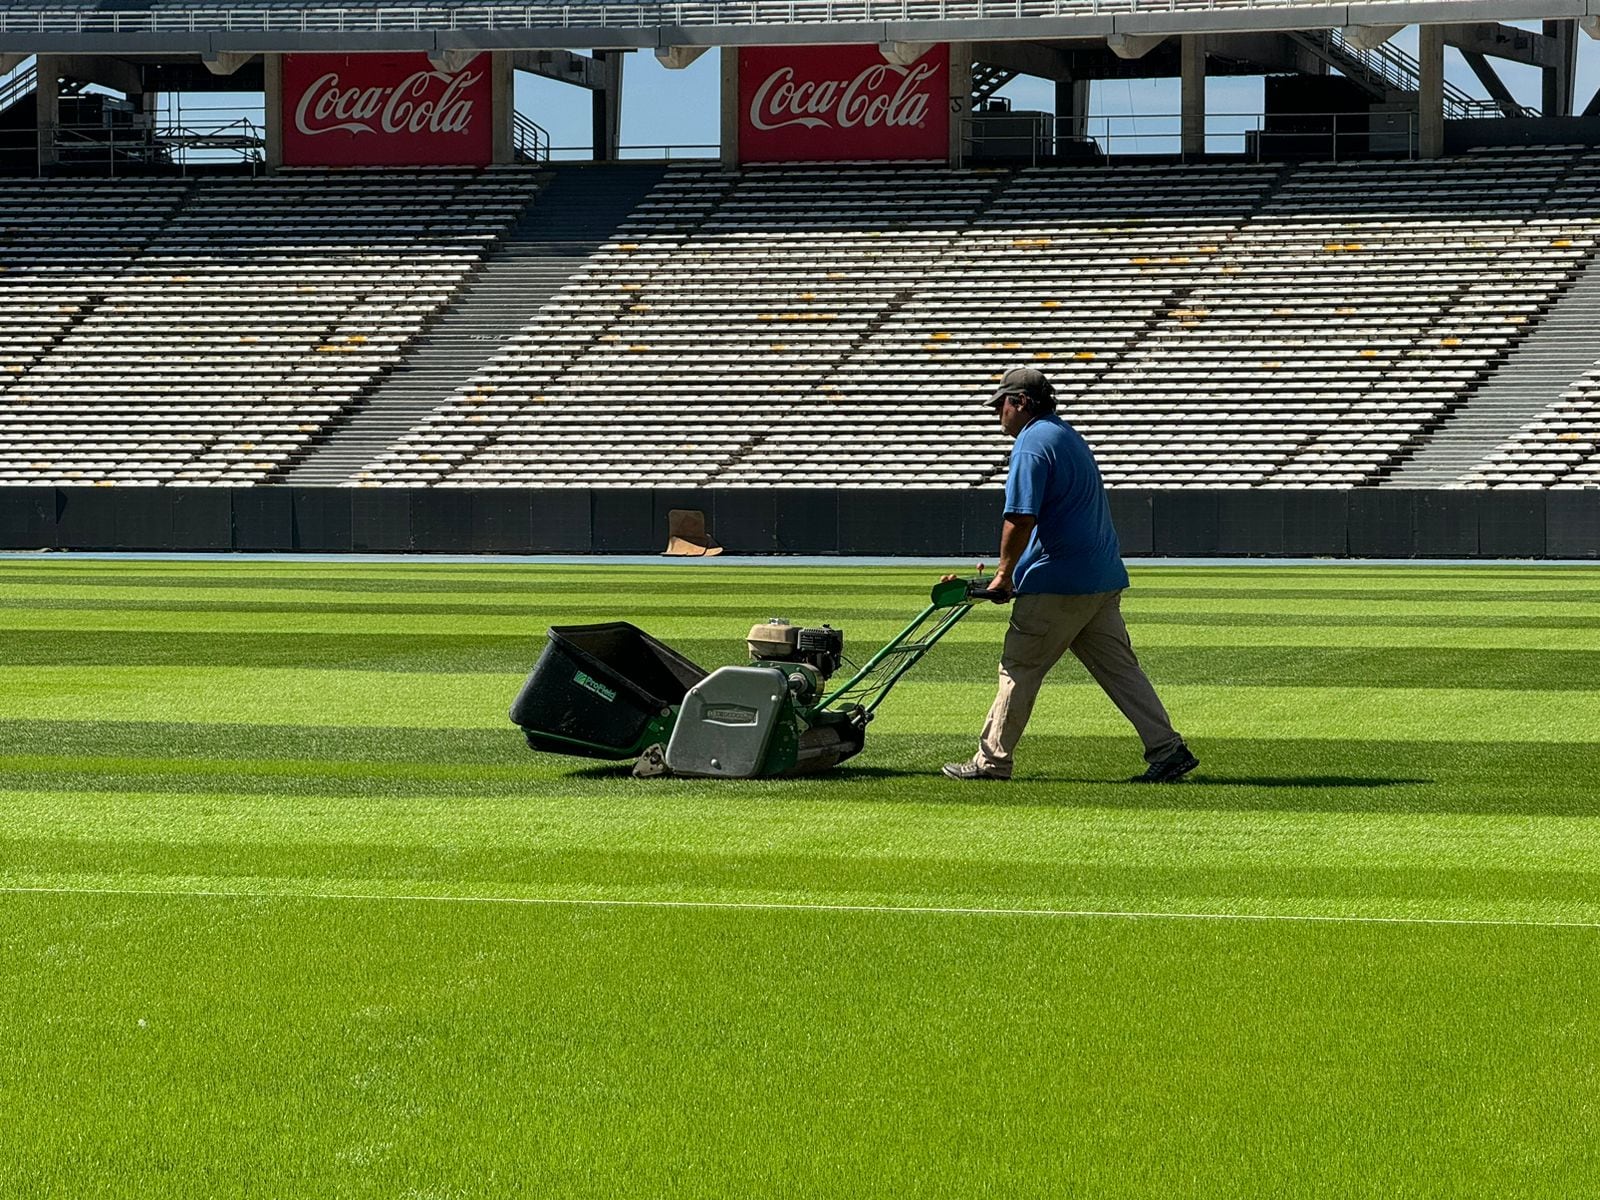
(1430, 91)
(960, 102)
(272, 84)
(1193, 74)
(730, 106)
(607, 105)
(1072, 108)
(502, 106)
(47, 74)
(1558, 79)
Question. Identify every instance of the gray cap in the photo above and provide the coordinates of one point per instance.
(1022, 381)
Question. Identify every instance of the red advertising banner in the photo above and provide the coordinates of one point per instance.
(819, 103)
(375, 110)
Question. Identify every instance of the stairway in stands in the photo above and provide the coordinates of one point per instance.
(1559, 350)
(570, 218)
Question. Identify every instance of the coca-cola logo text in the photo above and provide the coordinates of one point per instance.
(864, 100)
(407, 107)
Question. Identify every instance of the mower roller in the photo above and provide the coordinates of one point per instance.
(614, 692)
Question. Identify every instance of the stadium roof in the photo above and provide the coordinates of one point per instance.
(65, 28)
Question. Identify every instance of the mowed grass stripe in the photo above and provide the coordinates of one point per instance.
(844, 594)
(498, 1051)
(54, 613)
(43, 632)
(810, 851)
(279, 695)
(1287, 771)
(823, 909)
(1279, 663)
(1056, 773)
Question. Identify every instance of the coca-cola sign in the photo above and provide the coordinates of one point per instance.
(818, 103)
(385, 110)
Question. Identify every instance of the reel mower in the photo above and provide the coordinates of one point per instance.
(614, 692)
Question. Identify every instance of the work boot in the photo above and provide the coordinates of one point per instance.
(1171, 768)
(971, 770)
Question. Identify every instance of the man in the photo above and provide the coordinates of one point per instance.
(1060, 559)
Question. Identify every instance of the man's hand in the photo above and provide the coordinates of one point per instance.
(948, 578)
(1001, 584)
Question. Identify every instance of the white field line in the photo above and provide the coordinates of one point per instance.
(780, 906)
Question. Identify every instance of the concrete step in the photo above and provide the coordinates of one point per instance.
(1555, 353)
(575, 213)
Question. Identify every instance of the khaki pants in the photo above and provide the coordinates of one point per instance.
(1043, 628)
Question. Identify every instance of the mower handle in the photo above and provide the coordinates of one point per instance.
(951, 592)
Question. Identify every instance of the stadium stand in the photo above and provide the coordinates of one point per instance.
(203, 332)
(1560, 448)
(789, 326)
(1238, 325)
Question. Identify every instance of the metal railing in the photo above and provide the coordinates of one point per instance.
(1334, 136)
(113, 149)
(652, 152)
(21, 82)
(529, 139)
(290, 18)
(1398, 70)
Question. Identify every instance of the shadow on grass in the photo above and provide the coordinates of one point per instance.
(850, 773)
(1268, 781)
(840, 773)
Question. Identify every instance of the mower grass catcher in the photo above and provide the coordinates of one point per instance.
(613, 692)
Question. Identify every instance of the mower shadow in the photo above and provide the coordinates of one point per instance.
(851, 774)
(623, 770)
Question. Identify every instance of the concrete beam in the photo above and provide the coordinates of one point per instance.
(224, 62)
(1493, 84)
(114, 73)
(1266, 54)
(451, 59)
(577, 69)
(676, 58)
(1134, 45)
(1503, 41)
(1370, 37)
(903, 54)
(1025, 58)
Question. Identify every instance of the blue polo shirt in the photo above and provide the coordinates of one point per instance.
(1053, 478)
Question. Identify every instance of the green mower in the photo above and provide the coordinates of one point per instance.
(614, 692)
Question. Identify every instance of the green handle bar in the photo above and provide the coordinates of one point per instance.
(949, 601)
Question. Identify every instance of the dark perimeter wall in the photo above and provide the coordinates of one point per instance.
(1369, 523)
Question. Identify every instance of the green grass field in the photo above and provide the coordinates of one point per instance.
(288, 910)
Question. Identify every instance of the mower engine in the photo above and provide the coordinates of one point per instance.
(778, 643)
